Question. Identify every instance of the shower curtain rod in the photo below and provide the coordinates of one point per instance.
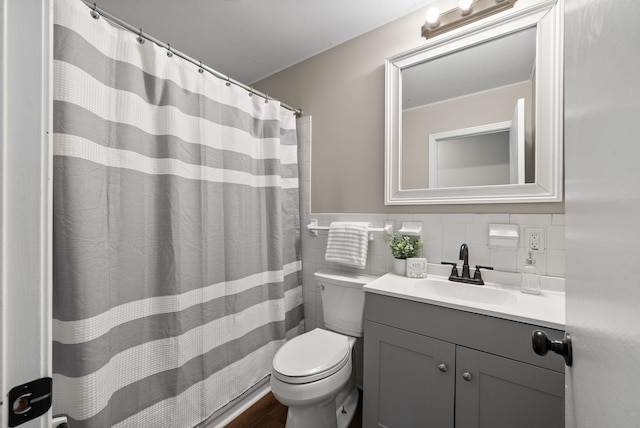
(96, 12)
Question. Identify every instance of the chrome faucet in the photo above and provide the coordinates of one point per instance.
(466, 274)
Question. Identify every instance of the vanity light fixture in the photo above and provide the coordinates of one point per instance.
(465, 7)
(433, 17)
(468, 11)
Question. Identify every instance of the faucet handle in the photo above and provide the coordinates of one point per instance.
(454, 268)
(477, 274)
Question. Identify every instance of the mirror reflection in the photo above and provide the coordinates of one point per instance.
(467, 117)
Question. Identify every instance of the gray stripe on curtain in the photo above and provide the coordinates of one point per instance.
(71, 119)
(157, 91)
(176, 270)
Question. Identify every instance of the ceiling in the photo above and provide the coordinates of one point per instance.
(252, 39)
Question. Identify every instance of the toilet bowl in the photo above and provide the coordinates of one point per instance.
(310, 389)
(312, 374)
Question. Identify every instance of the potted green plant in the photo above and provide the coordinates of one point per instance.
(402, 248)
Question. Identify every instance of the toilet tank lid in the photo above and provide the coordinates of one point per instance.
(345, 277)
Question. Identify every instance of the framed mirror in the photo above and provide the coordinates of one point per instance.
(475, 116)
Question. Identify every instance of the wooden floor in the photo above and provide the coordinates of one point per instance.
(268, 413)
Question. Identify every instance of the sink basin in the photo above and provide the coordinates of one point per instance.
(470, 292)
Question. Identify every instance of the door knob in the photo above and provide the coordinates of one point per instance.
(541, 345)
(466, 376)
(442, 367)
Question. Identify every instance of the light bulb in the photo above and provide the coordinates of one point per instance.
(465, 6)
(433, 16)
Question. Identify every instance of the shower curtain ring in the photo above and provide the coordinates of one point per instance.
(251, 92)
(140, 39)
(200, 70)
(94, 12)
(266, 98)
(169, 53)
(228, 81)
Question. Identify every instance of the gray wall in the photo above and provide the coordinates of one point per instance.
(343, 89)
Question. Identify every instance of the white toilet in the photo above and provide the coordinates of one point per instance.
(312, 373)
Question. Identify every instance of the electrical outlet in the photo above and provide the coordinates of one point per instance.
(534, 239)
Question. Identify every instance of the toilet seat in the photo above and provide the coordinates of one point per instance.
(311, 356)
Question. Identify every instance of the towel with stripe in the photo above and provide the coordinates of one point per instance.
(348, 243)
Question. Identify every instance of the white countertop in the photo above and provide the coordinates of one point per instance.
(545, 309)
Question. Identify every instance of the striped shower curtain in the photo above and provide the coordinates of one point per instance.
(177, 270)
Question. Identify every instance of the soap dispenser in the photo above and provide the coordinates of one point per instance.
(530, 277)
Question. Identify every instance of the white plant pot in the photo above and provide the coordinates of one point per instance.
(400, 266)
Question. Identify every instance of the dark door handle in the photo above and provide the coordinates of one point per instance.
(542, 344)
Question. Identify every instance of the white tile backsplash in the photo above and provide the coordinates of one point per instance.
(454, 232)
(433, 251)
(477, 233)
(491, 218)
(555, 237)
(479, 255)
(428, 218)
(432, 232)
(378, 247)
(503, 260)
(310, 311)
(457, 218)
(530, 219)
(442, 241)
(555, 263)
(450, 252)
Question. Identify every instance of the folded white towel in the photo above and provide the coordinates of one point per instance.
(348, 243)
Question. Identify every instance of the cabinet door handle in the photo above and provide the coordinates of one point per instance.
(442, 367)
(466, 376)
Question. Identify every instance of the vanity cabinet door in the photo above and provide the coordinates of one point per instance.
(497, 392)
(408, 379)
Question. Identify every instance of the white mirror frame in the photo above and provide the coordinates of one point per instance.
(547, 15)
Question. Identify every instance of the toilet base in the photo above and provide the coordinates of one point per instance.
(329, 414)
(346, 410)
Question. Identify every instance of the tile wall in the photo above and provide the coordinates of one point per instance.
(442, 233)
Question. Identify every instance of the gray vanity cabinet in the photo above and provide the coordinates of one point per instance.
(430, 366)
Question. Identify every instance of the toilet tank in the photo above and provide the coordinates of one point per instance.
(343, 300)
